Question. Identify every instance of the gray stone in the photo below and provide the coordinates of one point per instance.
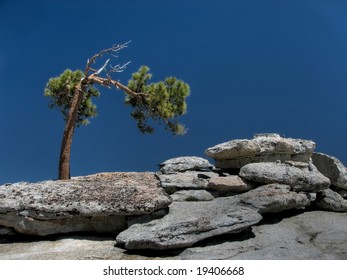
(331, 201)
(332, 168)
(146, 218)
(185, 180)
(181, 164)
(300, 178)
(70, 247)
(274, 198)
(192, 195)
(316, 235)
(263, 148)
(229, 184)
(22, 223)
(188, 223)
(90, 203)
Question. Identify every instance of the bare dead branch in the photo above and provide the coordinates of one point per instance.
(102, 68)
(118, 68)
(112, 51)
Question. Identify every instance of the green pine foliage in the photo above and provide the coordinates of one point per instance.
(61, 90)
(163, 101)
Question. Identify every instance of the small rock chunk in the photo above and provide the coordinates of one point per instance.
(182, 164)
(185, 180)
(332, 168)
(229, 184)
(331, 201)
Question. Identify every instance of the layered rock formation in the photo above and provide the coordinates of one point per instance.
(97, 203)
(274, 174)
(263, 148)
(188, 201)
(313, 235)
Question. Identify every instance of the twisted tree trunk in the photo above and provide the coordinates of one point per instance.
(64, 160)
(81, 87)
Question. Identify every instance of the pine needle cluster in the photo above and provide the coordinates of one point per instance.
(61, 90)
(162, 101)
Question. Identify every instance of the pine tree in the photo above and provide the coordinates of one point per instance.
(72, 93)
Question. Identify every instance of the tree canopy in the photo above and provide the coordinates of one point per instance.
(163, 101)
(61, 90)
(73, 91)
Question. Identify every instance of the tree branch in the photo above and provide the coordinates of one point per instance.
(102, 68)
(112, 51)
(94, 78)
(107, 81)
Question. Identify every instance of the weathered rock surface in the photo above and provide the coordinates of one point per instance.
(301, 177)
(331, 201)
(181, 164)
(274, 198)
(229, 184)
(188, 223)
(98, 203)
(332, 168)
(185, 180)
(72, 247)
(316, 235)
(136, 206)
(22, 223)
(192, 195)
(263, 148)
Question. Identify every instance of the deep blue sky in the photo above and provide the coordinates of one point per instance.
(253, 67)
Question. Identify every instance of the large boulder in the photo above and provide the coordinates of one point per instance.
(332, 168)
(189, 222)
(181, 164)
(98, 203)
(263, 148)
(299, 176)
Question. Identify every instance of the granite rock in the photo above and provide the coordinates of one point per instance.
(263, 148)
(189, 222)
(299, 176)
(274, 198)
(181, 164)
(97, 202)
(229, 184)
(331, 201)
(332, 168)
(185, 180)
(192, 195)
(316, 235)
